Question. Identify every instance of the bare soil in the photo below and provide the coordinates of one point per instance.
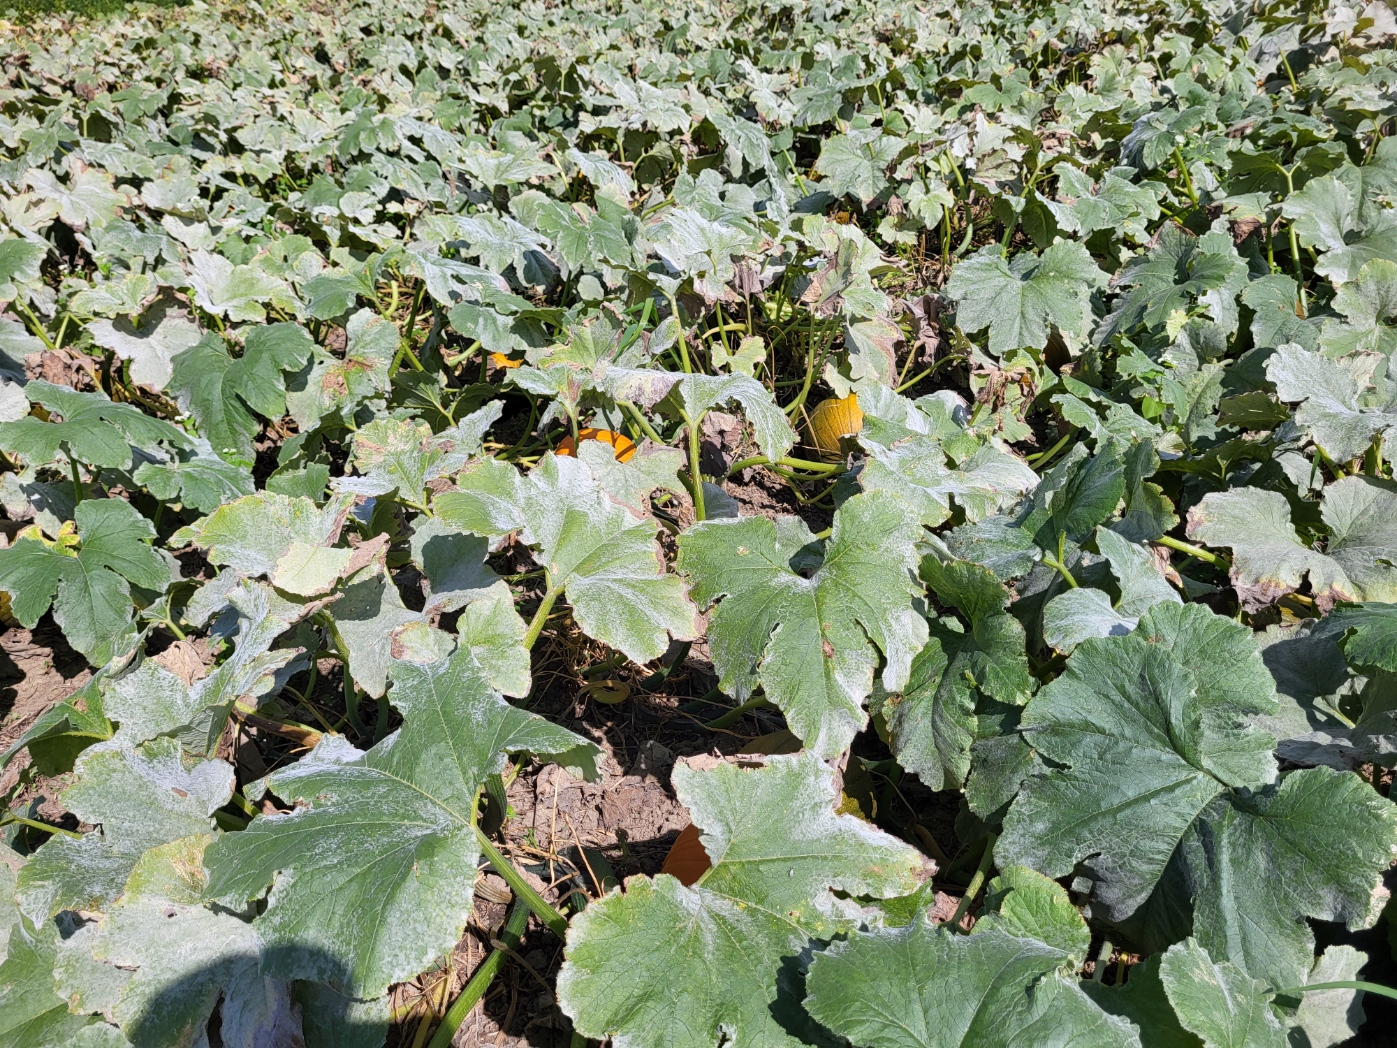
(37, 670)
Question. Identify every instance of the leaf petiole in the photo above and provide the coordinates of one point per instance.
(1057, 564)
(1169, 542)
(973, 888)
(474, 990)
(791, 463)
(77, 479)
(735, 714)
(700, 511)
(1343, 984)
(523, 891)
(550, 597)
(37, 825)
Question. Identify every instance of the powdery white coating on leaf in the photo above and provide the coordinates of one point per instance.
(662, 964)
(88, 197)
(32, 1015)
(1330, 1017)
(367, 616)
(453, 565)
(288, 540)
(165, 331)
(1025, 904)
(696, 394)
(1329, 402)
(926, 986)
(404, 455)
(604, 559)
(1337, 837)
(182, 957)
(630, 483)
(918, 470)
(196, 478)
(233, 291)
(1369, 306)
(1269, 561)
(1072, 617)
(809, 624)
(409, 194)
(1019, 299)
(1217, 1001)
(329, 384)
(372, 874)
(141, 798)
(701, 249)
(1328, 218)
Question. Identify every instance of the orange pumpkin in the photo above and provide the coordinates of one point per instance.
(686, 859)
(834, 420)
(623, 446)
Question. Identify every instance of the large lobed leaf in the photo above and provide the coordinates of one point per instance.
(605, 559)
(1157, 788)
(693, 967)
(371, 875)
(807, 622)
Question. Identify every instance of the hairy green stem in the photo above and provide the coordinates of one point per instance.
(1372, 458)
(1299, 268)
(642, 423)
(790, 463)
(1290, 74)
(736, 713)
(545, 606)
(228, 822)
(973, 888)
(412, 315)
(1343, 984)
(1169, 542)
(351, 693)
(37, 825)
(700, 511)
(475, 988)
(663, 674)
(1188, 179)
(927, 373)
(243, 803)
(814, 363)
(1296, 262)
(683, 342)
(1058, 564)
(77, 479)
(1041, 459)
(35, 325)
(1103, 956)
(556, 922)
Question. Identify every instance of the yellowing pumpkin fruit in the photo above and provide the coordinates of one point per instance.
(834, 420)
